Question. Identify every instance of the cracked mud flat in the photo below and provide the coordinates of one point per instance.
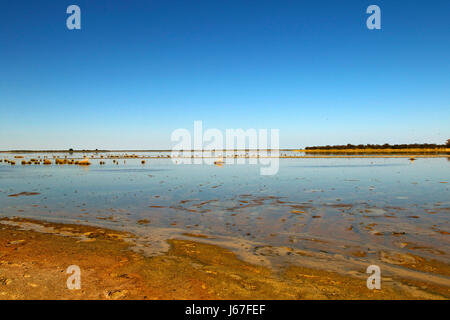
(35, 256)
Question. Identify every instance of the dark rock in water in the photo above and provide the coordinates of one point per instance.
(24, 194)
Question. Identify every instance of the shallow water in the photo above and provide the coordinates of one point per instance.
(353, 207)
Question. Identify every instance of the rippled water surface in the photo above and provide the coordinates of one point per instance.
(330, 205)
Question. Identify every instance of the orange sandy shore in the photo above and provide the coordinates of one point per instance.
(34, 256)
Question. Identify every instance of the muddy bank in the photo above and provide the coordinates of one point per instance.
(34, 257)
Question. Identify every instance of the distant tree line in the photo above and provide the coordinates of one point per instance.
(382, 146)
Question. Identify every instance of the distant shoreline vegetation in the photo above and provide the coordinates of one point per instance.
(381, 146)
(384, 148)
(131, 150)
(363, 148)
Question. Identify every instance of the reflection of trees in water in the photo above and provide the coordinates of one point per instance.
(448, 159)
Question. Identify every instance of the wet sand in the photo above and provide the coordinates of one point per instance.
(34, 257)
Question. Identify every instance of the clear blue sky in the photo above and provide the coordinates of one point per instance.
(137, 70)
